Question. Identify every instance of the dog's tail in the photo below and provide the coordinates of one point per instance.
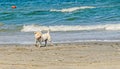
(48, 31)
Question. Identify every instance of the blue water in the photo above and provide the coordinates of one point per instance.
(72, 17)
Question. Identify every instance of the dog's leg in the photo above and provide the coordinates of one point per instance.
(36, 42)
(40, 43)
(45, 42)
(50, 42)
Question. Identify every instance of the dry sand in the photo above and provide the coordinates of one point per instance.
(85, 55)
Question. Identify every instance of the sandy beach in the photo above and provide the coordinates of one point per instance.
(84, 55)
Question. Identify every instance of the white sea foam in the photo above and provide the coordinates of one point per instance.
(72, 9)
(30, 28)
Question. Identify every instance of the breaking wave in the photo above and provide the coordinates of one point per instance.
(31, 28)
(72, 9)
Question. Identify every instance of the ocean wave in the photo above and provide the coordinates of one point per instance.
(72, 9)
(31, 28)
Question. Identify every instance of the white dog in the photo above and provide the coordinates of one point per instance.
(40, 37)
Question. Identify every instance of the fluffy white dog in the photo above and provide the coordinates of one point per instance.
(40, 37)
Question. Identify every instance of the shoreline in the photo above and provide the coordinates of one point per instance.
(57, 37)
(69, 43)
(84, 55)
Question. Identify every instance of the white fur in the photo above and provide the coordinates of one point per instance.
(40, 37)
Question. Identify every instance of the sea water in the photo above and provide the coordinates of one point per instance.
(67, 20)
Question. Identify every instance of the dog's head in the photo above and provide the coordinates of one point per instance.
(38, 35)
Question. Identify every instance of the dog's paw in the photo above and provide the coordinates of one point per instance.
(36, 45)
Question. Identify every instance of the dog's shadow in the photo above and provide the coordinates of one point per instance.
(43, 46)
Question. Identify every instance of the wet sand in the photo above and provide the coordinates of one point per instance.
(84, 55)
